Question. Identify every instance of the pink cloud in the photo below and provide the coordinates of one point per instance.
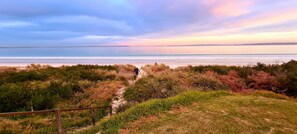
(228, 8)
(275, 17)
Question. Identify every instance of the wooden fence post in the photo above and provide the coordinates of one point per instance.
(110, 110)
(58, 121)
(93, 115)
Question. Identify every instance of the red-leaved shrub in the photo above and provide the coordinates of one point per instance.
(234, 82)
(262, 80)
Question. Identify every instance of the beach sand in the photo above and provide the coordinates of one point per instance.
(172, 63)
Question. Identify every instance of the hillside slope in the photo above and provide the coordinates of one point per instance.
(207, 112)
(232, 114)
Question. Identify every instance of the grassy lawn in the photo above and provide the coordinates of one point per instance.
(228, 114)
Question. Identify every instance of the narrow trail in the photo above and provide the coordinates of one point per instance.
(119, 99)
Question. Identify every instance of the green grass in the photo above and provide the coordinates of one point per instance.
(213, 112)
(230, 114)
(152, 107)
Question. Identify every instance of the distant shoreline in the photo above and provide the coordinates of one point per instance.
(170, 60)
(171, 65)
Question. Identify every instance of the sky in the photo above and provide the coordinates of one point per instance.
(146, 22)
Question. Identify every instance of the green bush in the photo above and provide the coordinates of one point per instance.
(126, 106)
(289, 83)
(24, 76)
(243, 72)
(21, 96)
(206, 82)
(14, 97)
(222, 70)
(81, 74)
(90, 67)
(151, 87)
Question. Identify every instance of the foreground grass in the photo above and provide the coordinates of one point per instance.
(231, 114)
(151, 107)
(207, 112)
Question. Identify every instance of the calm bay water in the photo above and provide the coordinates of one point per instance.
(174, 56)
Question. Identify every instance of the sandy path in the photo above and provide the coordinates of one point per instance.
(119, 99)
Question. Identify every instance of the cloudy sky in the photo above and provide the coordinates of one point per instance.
(146, 22)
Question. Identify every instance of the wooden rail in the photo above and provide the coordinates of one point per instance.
(58, 114)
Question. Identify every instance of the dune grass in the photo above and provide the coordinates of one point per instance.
(207, 112)
(43, 87)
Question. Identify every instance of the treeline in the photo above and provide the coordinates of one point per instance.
(41, 87)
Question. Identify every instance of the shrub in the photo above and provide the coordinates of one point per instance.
(125, 106)
(271, 69)
(155, 69)
(21, 96)
(90, 67)
(24, 76)
(243, 72)
(125, 72)
(233, 81)
(262, 80)
(205, 82)
(14, 97)
(289, 83)
(221, 70)
(151, 87)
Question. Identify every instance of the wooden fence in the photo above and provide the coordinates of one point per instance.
(58, 114)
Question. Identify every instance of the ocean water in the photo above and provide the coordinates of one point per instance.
(173, 56)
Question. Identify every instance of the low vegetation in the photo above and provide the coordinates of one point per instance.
(44, 87)
(215, 111)
(151, 107)
(152, 87)
(227, 114)
(276, 78)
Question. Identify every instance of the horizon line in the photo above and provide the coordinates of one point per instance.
(149, 55)
(90, 46)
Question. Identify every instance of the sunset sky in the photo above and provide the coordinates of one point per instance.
(146, 22)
